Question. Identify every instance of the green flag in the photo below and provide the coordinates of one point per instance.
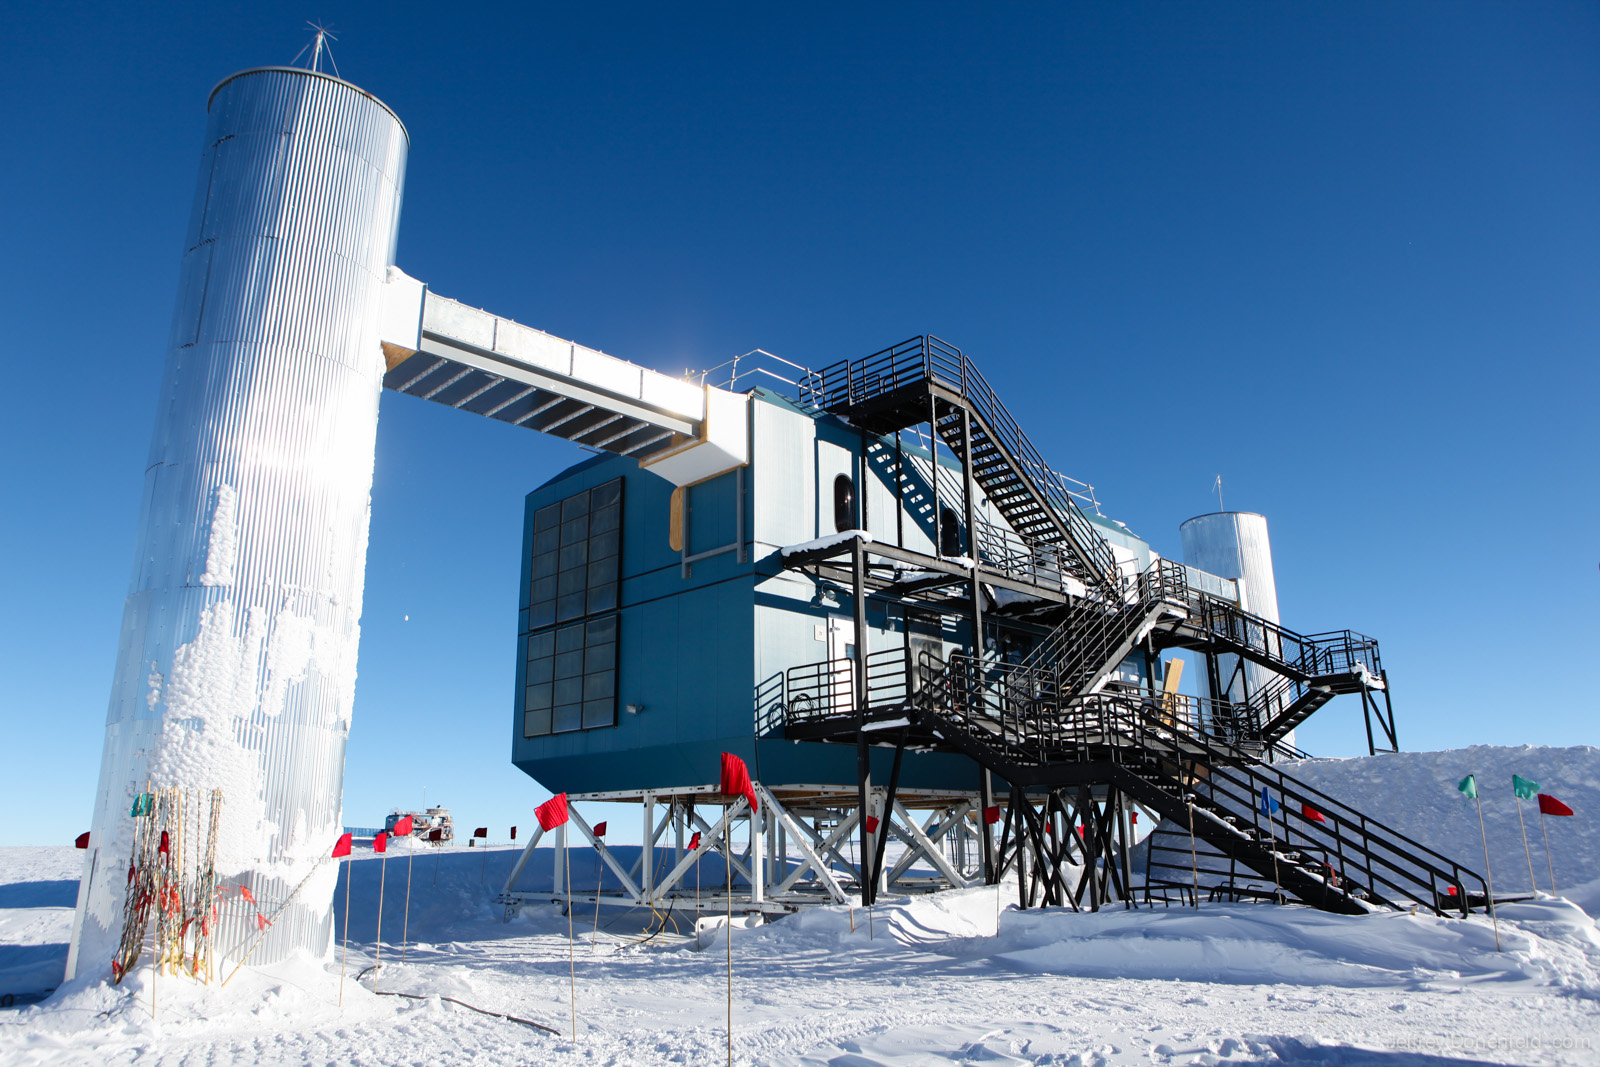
(1526, 788)
(1469, 786)
(142, 805)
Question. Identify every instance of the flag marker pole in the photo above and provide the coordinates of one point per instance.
(572, 967)
(1545, 826)
(599, 882)
(382, 878)
(1487, 870)
(727, 861)
(1526, 851)
(405, 925)
(345, 958)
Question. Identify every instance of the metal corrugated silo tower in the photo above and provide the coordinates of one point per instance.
(237, 659)
(1235, 545)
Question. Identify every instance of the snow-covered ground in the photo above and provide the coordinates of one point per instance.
(960, 978)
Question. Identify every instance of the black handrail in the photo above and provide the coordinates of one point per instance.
(926, 358)
(1011, 713)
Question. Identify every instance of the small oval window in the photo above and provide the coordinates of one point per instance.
(844, 503)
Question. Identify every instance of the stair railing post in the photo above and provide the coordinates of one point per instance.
(858, 566)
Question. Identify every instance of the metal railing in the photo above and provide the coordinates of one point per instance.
(1096, 626)
(927, 358)
(826, 689)
(759, 367)
(1310, 655)
(1012, 712)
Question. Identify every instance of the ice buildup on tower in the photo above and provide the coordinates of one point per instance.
(237, 659)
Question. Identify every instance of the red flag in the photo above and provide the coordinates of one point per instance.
(261, 921)
(513, 833)
(694, 842)
(991, 815)
(482, 831)
(380, 843)
(552, 813)
(342, 846)
(82, 841)
(600, 831)
(402, 827)
(1079, 829)
(244, 891)
(1134, 816)
(1307, 811)
(1549, 805)
(872, 824)
(736, 779)
(1452, 890)
(165, 846)
(436, 835)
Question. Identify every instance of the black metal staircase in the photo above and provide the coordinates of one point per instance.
(923, 379)
(1313, 847)
(1099, 632)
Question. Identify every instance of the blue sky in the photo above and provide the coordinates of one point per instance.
(1345, 255)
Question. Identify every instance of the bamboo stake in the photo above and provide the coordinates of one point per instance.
(1487, 871)
(1545, 826)
(383, 876)
(1526, 851)
(572, 967)
(599, 882)
(405, 925)
(727, 861)
(345, 958)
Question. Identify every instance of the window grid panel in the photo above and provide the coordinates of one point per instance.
(571, 679)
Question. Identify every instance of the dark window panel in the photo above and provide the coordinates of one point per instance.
(547, 540)
(536, 723)
(538, 698)
(544, 564)
(568, 690)
(600, 657)
(569, 638)
(569, 664)
(541, 645)
(570, 607)
(568, 717)
(602, 630)
(603, 572)
(541, 670)
(605, 520)
(603, 545)
(602, 684)
(547, 517)
(575, 530)
(602, 599)
(574, 555)
(542, 613)
(570, 582)
(575, 505)
(599, 713)
(609, 493)
(544, 589)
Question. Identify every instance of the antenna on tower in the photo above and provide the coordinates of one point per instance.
(317, 45)
(1218, 487)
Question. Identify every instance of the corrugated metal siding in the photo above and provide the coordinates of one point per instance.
(238, 654)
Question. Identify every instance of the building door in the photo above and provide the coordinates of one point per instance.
(842, 646)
